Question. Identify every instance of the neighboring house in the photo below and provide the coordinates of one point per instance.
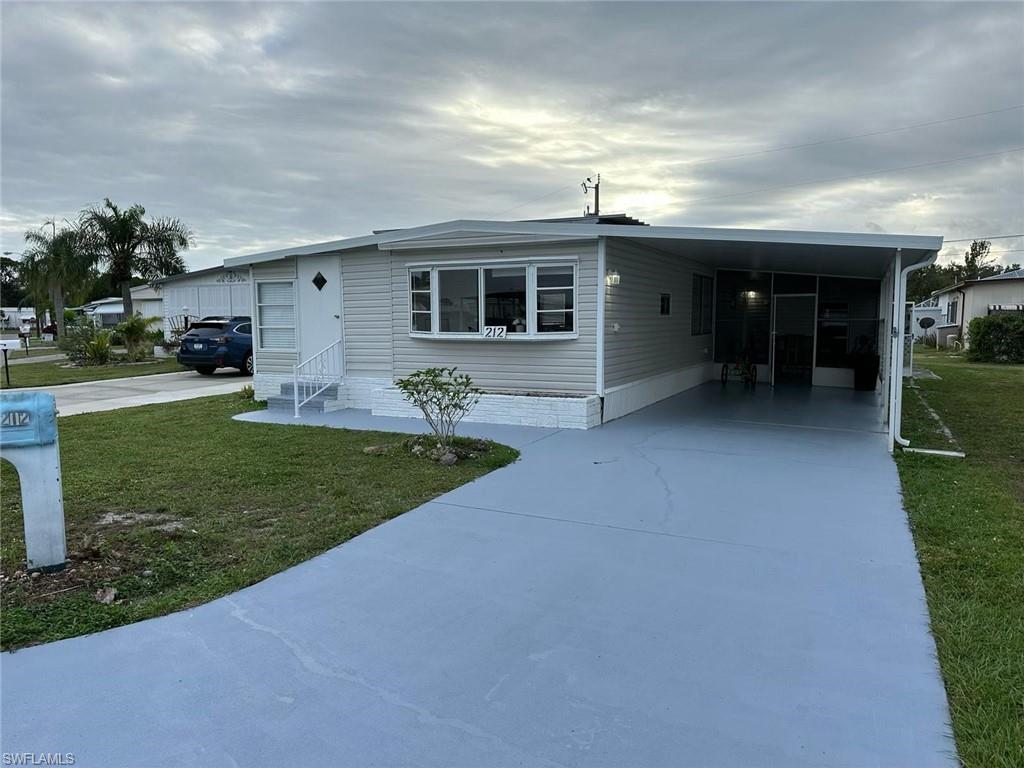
(928, 308)
(575, 322)
(202, 293)
(961, 303)
(109, 311)
(13, 317)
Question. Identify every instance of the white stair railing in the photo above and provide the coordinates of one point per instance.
(316, 374)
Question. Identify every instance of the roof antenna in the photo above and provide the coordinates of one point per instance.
(588, 185)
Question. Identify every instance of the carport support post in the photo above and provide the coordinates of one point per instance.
(895, 331)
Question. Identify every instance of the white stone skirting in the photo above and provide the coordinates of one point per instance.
(269, 384)
(358, 392)
(565, 412)
(626, 398)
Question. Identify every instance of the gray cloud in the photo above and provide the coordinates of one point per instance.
(265, 125)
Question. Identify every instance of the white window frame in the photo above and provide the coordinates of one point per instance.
(258, 320)
(532, 334)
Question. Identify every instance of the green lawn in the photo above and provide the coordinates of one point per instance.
(968, 523)
(51, 373)
(173, 505)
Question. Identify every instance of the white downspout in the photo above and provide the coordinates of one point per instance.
(895, 382)
(602, 261)
(895, 421)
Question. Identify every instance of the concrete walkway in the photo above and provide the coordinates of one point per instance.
(723, 579)
(109, 394)
(36, 359)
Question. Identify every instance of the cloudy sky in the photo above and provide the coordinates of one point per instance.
(266, 125)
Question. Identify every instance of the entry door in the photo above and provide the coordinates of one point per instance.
(319, 297)
(793, 339)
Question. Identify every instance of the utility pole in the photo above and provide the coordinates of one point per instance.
(588, 185)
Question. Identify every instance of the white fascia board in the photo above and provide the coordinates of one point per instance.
(480, 227)
(477, 241)
(799, 237)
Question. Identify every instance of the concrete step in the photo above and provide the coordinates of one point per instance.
(281, 403)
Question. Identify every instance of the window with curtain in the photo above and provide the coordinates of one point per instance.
(275, 314)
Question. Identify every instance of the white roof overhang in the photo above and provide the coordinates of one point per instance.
(837, 253)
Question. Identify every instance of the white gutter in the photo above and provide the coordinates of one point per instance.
(896, 412)
(601, 290)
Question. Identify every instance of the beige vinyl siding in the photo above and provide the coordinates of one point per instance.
(272, 361)
(366, 305)
(562, 366)
(648, 343)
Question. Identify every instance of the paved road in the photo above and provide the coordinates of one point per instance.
(723, 579)
(89, 396)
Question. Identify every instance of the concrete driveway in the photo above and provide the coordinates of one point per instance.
(721, 579)
(109, 394)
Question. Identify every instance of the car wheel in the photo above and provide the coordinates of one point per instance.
(247, 365)
(205, 370)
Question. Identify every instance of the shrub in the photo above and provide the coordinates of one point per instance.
(97, 351)
(443, 396)
(997, 339)
(247, 392)
(133, 331)
(78, 334)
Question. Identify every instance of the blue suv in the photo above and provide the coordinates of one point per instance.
(218, 342)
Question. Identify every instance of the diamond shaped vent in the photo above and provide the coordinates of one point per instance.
(319, 281)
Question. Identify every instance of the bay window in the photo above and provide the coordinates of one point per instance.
(502, 300)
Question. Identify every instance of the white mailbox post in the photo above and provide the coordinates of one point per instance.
(28, 439)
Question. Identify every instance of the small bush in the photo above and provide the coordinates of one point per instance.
(997, 339)
(134, 331)
(97, 351)
(247, 392)
(443, 396)
(78, 334)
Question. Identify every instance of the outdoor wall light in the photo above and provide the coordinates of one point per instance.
(750, 295)
(611, 277)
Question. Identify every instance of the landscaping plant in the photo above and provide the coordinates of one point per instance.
(77, 336)
(997, 339)
(443, 396)
(134, 332)
(98, 350)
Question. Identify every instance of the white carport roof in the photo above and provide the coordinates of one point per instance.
(836, 253)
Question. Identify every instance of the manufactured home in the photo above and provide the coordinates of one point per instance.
(576, 322)
(191, 296)
(958, 304)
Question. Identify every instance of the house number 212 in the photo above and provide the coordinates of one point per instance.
(494, 331)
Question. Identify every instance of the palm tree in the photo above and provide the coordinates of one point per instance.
(130, 245)
(55, 262)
